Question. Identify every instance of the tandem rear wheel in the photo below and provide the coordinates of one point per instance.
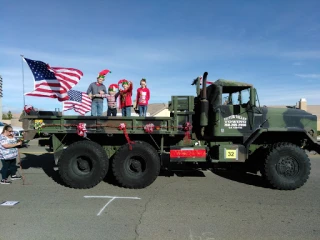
(83, 164)
(137, 167)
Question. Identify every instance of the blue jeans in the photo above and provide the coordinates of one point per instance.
(143, 110)
(126, 111)
(96, 108)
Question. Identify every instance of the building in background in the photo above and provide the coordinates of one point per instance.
(313, 109)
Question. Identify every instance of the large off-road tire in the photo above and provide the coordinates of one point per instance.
(136, 168)
(286, 167)
(83, 164)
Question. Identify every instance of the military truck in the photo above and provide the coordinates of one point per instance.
(223, 123)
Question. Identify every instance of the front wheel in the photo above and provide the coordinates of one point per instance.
(286, 167)
(137, 167)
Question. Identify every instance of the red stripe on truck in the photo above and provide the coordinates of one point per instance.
(188, 153)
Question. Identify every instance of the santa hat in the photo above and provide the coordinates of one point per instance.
(112, 87)
(123, 82)
(103, 73)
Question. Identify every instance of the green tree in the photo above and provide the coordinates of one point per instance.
(9, 115)
(4, 116)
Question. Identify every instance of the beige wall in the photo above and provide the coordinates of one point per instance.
(163, 113)
(13, 122)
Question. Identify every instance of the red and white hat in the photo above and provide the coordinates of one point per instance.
(103, 73)
(123, 82)
(113, 88)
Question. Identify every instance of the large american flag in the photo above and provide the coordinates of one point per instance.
(78, 101)
(52, 82)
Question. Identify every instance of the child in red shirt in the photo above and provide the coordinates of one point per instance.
(125, 97)
(143, 96)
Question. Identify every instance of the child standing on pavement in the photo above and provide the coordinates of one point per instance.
(126, 97)
(143, 96)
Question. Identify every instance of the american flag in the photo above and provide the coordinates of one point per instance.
(52, 82)
(78, 101)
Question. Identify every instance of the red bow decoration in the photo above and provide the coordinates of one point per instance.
(28, 108)
(187, 127)
(82, 130)
(123, 127)
(149, 128)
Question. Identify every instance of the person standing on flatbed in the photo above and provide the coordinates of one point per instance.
(126, 97)
(95, 90)
(112, 99)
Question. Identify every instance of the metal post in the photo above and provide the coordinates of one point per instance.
(1, 98)
(24, 100)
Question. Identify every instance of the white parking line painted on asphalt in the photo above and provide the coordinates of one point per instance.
(105, 206)
(111, 199)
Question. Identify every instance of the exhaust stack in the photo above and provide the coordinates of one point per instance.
(204, 104)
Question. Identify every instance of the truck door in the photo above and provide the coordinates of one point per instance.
(235, 118)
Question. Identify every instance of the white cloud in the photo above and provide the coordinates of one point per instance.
(312, 75)
(309, 54)
(288, 95)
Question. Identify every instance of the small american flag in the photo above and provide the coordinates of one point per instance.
(78, 101)
(52, 82)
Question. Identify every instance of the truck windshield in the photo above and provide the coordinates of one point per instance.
(236, 98)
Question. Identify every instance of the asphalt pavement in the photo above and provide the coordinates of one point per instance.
(189, 205)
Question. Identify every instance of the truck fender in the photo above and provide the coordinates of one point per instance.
(254, 136)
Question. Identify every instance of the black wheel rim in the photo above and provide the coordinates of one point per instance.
(82, 165)
(288, 167)
(135, 166)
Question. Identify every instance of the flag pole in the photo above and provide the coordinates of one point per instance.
(24, 100)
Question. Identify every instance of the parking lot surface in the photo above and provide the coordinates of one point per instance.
(189, 205)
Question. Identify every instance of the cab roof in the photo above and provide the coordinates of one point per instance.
(230, 86)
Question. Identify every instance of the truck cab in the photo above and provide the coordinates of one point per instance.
(231, 110)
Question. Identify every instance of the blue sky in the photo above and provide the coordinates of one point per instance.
(271, 44)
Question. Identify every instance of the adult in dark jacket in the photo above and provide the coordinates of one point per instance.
(95, 90)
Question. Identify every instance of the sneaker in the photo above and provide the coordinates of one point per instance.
(15, 177)
(5, 181)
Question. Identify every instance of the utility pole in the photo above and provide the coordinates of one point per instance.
(1, 97)
(24, 100)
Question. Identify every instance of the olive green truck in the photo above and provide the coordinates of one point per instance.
(223, 123)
